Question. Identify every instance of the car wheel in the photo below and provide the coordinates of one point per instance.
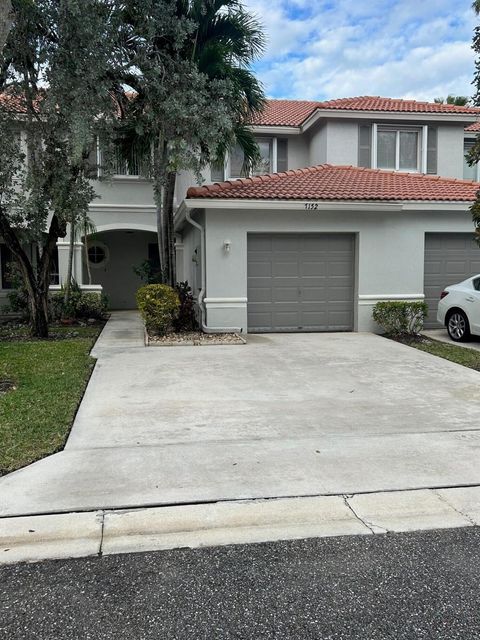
(458, 327)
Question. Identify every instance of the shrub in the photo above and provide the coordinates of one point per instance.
(400, 317)
(81, 306)
(91, 305)
(159, 305)
(186, 319)
(18, 296)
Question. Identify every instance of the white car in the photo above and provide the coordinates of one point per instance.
(459, 309)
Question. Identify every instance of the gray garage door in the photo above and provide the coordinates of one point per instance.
(300, 282)
(449, 258)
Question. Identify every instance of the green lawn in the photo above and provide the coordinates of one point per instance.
(461, 355)
(48, 379)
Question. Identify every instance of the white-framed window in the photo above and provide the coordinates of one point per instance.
(274, 158)
(470, 172)
(97, 254)
(399, 148)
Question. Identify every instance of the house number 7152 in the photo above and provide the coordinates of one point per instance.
(311, 206)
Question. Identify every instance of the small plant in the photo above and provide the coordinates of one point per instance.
(186, 319)
(399, 318)
(159, 305)
(148, 272)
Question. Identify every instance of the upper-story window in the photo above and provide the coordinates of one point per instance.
(470, 172)
(117, 165)
(273, 158)
(398, 148)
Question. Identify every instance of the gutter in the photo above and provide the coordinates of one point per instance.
(201, 295)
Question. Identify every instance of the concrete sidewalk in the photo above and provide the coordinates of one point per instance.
(283, 416)
(28, 539)
(442, 336)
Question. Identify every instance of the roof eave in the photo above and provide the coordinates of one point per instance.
(321, 205)
(408, 116)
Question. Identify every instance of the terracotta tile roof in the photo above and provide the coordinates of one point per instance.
(328, 182)
(288, 113)
(13, 103)
(376, 103)
(294, 112)
(473, 127)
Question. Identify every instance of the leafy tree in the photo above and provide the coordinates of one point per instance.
(5, 21)
(187, 63)
(474, 153)
(65, 45)
(460, 101)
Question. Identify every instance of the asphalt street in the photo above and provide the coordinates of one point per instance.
(400, 586)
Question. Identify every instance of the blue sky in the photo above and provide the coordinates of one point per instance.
(321, 49)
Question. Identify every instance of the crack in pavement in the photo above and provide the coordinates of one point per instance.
(449, 504)
(102, 531)
(369, 525)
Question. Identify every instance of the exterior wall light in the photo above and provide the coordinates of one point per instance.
(227, 246)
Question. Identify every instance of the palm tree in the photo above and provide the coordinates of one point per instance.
(225, 41)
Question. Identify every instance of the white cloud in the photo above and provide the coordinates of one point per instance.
(336, 48)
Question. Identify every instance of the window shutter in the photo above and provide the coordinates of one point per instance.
(432, 150)
(282, 155)
(365, 146)
(217, 172)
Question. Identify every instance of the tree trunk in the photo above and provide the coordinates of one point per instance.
(68, 284)
(169, 229)
(6, 15)
(39, 314)
(159, 187)
(87, 261)
(36, 280)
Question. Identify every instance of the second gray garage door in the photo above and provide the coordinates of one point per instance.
(300, 282)
(449, 258)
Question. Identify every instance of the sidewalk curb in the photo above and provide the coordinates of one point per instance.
(81, 534)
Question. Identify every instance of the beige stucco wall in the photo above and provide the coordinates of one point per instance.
(390, 253)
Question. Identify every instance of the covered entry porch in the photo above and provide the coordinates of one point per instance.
(113, 259)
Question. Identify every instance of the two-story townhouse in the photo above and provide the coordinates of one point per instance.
(355, 200)
(380, 214)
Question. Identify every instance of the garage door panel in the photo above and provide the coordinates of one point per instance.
(285, 294)
(285, 268)
(311, 282)
(314, 269)
(260, 269)
(449, 258)
(259, 243)
(260, 295)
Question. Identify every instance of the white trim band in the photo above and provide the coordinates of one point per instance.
(369, 299)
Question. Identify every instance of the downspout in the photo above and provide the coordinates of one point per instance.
(201, 295)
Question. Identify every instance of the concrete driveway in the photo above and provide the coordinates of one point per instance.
(283, 415)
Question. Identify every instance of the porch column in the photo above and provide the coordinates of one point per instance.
(77, 263)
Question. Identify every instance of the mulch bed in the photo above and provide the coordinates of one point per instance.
(194, 338)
